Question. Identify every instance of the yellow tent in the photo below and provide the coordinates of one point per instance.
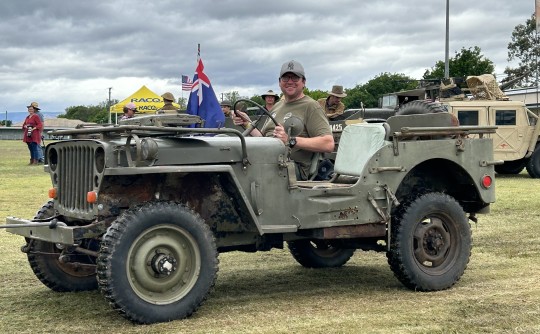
(145, 100)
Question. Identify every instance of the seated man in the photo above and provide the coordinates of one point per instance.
(226, 108)
(332, 105)
(316, 135)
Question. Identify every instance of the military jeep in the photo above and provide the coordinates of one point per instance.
(141, 210)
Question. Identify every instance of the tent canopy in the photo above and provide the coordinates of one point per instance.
(146, 101)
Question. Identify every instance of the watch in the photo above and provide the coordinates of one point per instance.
(292, 142)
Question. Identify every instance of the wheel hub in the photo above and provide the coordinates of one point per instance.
(163, 264)
(433, 242)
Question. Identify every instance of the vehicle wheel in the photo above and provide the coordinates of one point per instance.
(533, 165)
(511, 167)
(419, 107)
(157, 263)
(77, 275)
(319, 253)
(430, 243)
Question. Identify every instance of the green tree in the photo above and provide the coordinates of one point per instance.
(257, 99)
(315, 94)
(182, 101)
(369, 93)
(90, 113)
(525, 47)
(465, 62)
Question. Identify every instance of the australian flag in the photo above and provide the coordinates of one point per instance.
(203, 101)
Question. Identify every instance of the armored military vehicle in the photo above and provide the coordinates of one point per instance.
(141, 210)
(516, 141)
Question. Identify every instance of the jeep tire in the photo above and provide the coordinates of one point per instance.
(158, 262)
(430, 244)
(419, 107)
(79, 274)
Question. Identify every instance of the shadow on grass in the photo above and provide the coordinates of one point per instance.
(293, 279)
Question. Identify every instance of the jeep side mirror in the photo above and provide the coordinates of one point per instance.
(293, 126)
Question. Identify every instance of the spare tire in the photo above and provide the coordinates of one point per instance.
(419, 107)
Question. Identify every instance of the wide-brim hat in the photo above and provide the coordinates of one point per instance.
(226, 103)
(33, 105)
(270, 93)
(168, 96)
(337, 91)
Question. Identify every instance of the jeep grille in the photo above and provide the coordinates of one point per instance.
(73, 173)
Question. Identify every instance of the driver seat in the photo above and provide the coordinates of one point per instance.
(314, 168)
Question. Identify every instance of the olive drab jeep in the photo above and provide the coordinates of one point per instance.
(141, 210)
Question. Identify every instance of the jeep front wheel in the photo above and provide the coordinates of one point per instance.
(157, 263)
(430, 243)
(319, 253)
(76, 274)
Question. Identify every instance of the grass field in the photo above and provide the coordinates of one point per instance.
(268, 292)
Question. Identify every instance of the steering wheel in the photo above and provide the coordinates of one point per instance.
(253, 125)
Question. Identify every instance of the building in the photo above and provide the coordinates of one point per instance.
(15, 132)
(530, 96)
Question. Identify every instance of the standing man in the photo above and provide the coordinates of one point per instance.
(32, 128)
(332, 105)
(41, 157)
(315, 137)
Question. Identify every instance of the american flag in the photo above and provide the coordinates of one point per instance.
(186, 83)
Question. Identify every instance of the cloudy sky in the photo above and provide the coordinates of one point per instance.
(63, 53)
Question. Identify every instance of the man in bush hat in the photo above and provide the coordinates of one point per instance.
(168, 107)
(332, 105)
(270, 98)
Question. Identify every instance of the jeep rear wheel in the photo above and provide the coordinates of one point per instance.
(319, 253)
(157, 263)
(430, 243)
(78, 274)
(533, 165)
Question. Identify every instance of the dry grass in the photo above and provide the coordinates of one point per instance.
(268, 292)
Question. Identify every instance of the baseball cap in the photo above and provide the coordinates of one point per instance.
(294, 67)
(131, 105)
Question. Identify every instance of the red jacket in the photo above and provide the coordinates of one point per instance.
(32, 120)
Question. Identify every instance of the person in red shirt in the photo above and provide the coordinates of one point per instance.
(32, 128)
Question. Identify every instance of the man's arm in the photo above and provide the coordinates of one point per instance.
(323, 144)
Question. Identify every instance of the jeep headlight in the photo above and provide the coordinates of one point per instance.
(149, 149)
